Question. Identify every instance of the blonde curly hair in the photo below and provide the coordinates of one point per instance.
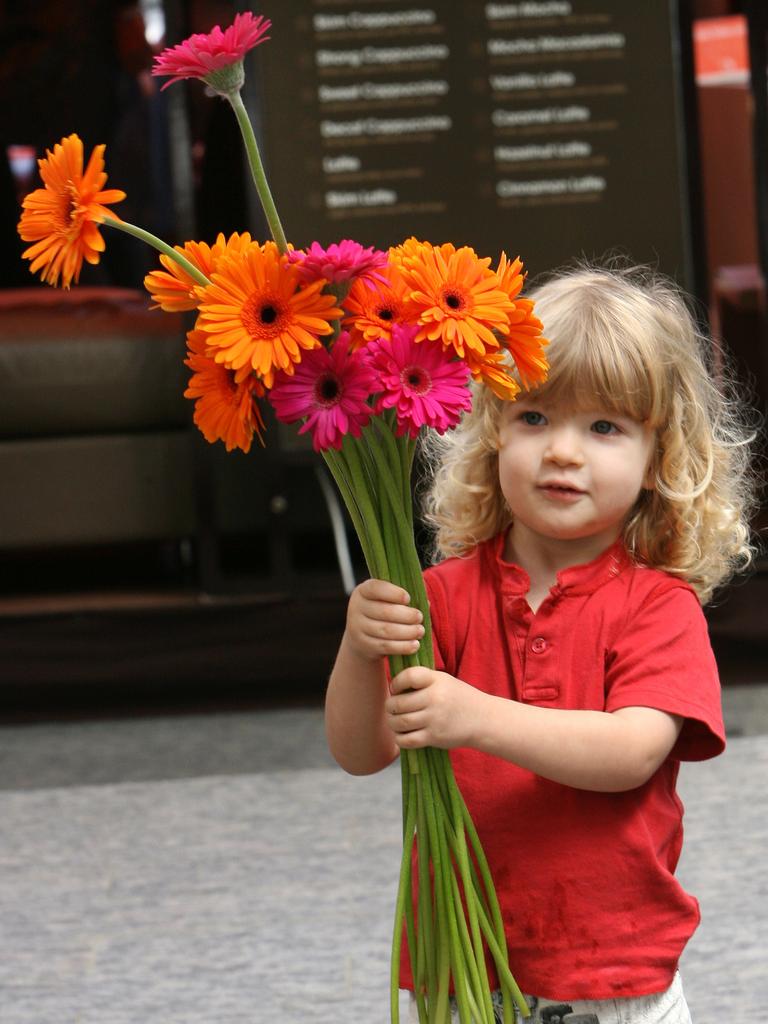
(623, 339)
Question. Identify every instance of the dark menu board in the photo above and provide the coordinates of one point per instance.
(551, 129)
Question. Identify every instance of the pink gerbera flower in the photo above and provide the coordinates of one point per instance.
(343, 261)
(330, 387)
(215, 57)
(420, 381)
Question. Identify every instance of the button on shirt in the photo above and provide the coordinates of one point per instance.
(585, 880)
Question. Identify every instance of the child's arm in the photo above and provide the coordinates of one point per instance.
(602, 751)
(380, 621)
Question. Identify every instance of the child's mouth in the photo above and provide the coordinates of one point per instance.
(561, 492)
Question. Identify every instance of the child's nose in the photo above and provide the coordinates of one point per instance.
(564, 448)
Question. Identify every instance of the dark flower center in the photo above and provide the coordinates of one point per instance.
(327, 389)
(69, 212)
(263, 316)
(416, 378)
(385, 314)
(453, 301)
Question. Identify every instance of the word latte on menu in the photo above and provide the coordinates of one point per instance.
(549, 151)
(549, 115)
(551, 186)
(540, 80)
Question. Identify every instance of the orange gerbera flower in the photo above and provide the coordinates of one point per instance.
(374, 306)
(226, 407)
(523, 336)
(511, 275)
(62, 218)
(494, 370)
(254, 313)
(173, 289)
(412, 250)
(454, 296)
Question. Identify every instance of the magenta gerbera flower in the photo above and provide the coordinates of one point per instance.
(330, 387)
(419, 380)
(215, 57)
(342, 261)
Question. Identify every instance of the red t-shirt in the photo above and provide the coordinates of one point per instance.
(585, 880)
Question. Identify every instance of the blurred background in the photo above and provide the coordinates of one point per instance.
(141, 567)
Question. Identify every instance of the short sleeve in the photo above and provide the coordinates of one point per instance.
(663, 659)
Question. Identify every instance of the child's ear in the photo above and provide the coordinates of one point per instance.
(649, 480)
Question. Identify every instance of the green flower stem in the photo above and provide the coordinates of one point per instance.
(406, 570)
(373, 473)
(336, 464)
(416, 941)
(421, 1007)
(400, 460)
(384, 426)
(444, 934)
(400, 538)
(501, 964)
(462, 860)
(425, 966)
(476, 995)
(400, 452)
(339, 290)
(509, 988)
(257, 170)
(403, 894)
(354, 478)
(351, 480)
(411, 783)
(391, 536)
(358, 484)
(490, 920)
(389, 485)
(159, 244)
(456, 929)
(394, 486)
(405, 792)
(389, 533)
(407, 448)
(474, 957)
(482, 863)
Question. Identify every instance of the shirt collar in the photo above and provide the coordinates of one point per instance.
(576, 579)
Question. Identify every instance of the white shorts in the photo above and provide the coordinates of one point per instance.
(667, 1007)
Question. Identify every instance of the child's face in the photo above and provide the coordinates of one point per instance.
(570, 475)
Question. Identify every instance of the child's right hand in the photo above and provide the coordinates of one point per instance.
(380, 621)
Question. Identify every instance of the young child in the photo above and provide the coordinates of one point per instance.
(582, 527)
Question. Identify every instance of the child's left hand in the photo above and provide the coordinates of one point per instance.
(427, 708)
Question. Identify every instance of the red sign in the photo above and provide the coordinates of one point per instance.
(721, 50)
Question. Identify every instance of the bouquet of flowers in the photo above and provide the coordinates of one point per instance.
(366, 349)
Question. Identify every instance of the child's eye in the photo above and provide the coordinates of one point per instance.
(605, 427)
(533, 419)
